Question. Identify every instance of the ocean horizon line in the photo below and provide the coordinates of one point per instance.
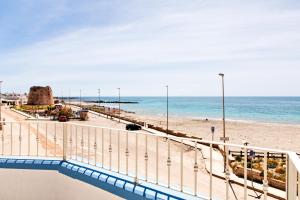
(179, 96)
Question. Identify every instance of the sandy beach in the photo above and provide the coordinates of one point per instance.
(281, 136)
(269, 135)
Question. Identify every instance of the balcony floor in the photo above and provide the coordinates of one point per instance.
(48, 185)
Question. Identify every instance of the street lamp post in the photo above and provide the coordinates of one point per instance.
(1, 101)
(99, 92)
(119, 104)
(80, 98)
(223, 108)
(69, 97)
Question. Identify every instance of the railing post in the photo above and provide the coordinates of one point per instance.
(157, 154)
(196, 169)
(11, 139)
(54, 138)
(245, 173)
(76, 142)
(110, 150)
(82, 144)
(181, 165)
(102, 148)
(28, 139)
(20, 139)
(169, 163)
(89, 138)
(37, 139)
(136, 156)
(95, 146)
(2, 139)
(118, 142)
(211, 170)
(265, 181)
(71, 140)
(291, 179)
(146, 157)
(127, 152)
(46, 151)
(227, 172)
(65, 141)
(298, 185)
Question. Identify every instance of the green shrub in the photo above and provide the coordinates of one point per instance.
(238, 158)
(272, 164)
(66, 112)
(270, 174)
(249, 164)
(257, 166)
(280, 170)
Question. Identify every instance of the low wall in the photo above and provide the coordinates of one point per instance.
(255, 175)
(108, 185)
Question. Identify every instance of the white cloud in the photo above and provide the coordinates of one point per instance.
(190, 43)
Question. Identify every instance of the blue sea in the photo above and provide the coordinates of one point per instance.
(262, 109)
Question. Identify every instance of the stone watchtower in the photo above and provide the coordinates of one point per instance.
(40, 96)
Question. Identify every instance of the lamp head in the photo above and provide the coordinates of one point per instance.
(221, 74)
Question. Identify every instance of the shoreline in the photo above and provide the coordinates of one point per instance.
(269, 135)
(199, 117)
(216, 120)
(265, 121)
(275, 109)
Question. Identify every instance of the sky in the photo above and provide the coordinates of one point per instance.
(141, 46)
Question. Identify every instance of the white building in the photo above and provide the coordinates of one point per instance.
(14, 99)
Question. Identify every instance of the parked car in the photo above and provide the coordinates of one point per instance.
(133, 127)
(62, 118)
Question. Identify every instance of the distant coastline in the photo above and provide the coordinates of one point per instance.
(95, 101)
(122, 102)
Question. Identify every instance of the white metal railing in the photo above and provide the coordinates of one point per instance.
(32, 138)
(164, 160)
